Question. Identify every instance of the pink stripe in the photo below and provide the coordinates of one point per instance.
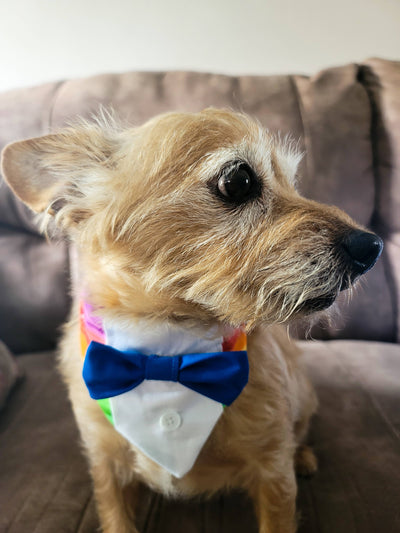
(92, 323)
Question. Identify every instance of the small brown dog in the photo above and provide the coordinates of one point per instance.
(189, 230)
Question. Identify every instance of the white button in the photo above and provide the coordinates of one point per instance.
(170, 420)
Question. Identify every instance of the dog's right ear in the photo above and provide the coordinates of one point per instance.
(43, 170)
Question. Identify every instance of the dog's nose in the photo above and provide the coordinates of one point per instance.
(363, 249)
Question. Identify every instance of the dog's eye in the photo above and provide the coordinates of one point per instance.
(238, 184)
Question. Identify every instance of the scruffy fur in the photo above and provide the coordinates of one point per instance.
(155, 242)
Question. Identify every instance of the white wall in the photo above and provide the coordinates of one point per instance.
(43, 40)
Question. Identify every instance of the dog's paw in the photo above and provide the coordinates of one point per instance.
(306, 463)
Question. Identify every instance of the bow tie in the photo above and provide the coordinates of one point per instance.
(220, 376)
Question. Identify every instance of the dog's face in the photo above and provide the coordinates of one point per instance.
(191, 216)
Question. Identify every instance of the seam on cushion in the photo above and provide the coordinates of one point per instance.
(375, 223)
(153, 514)
(393, 291)
(301, 112)
(203, 516)
(365, 507)
(221, 514)
(42, 513)
(21, 230)
(15, 517)
(308, 519)
(361, 69)
(50, 501)
(39, 386)
(236, 96)
(83, 512)
(354, 375)
(352, 491)
(54, 98)
(378, 409)
(45, 126)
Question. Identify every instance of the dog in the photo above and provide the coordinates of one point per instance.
(193, 244)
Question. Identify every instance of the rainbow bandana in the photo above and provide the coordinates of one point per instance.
(165, 405)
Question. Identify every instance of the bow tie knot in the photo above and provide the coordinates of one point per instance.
(220, 376)
(162, 368)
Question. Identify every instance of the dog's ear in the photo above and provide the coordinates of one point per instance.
(42, 170)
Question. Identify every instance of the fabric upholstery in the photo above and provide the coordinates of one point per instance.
(45, 487)
(33, 273)
(9, 373)
(34, 292)
(332, 114)
(336, 115)
(44, 482)
(347, 122)
(382, 82)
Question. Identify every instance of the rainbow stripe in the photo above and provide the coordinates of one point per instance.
(91, 329)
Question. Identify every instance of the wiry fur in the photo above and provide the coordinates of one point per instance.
(156, 242)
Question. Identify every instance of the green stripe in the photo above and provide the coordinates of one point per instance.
(106, 408)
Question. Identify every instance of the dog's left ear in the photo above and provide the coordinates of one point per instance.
(42, 169)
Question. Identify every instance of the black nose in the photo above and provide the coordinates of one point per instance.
(363, 249)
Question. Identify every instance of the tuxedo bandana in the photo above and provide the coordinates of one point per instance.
(162, 387)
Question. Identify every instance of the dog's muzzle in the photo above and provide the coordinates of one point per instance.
(358, 252)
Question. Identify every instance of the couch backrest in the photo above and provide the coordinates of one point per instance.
(33, 273)
(382, 82)
(347, 120)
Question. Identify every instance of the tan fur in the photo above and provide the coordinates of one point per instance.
(155, 242)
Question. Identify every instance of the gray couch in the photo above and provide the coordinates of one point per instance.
(348, 122)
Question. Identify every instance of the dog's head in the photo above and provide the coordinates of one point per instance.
(191, 216)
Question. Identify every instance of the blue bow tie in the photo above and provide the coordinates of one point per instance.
(220, 376)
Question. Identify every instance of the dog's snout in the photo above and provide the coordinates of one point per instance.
(363, 248)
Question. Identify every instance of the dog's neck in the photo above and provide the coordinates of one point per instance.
(155, 337)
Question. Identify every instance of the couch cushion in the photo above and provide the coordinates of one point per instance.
(330, 113)
(33, 274)
(43, 476)
(44, 479)
(336, 116)
(9, 373)
(382, 80)
(34, 290)
(24, 113)
(356, 438)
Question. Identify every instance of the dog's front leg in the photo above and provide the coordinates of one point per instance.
(275, 504)
(115, 503)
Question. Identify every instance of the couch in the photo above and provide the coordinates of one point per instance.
(347, 120)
